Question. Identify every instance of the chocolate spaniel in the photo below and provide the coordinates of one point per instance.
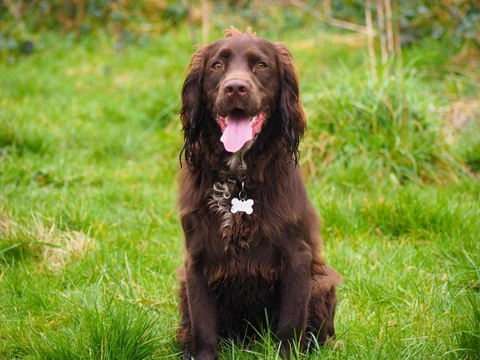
(253, 248)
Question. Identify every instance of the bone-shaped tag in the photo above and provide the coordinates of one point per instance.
(245, 206)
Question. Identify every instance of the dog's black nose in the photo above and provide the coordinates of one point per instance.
(236, 88)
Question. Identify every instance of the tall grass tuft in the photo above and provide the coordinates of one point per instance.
(468, 329)
(112, 332)
(382, 129)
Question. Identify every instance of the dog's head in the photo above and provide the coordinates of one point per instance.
(245, 86)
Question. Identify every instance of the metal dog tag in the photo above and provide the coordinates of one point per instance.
(242, 205)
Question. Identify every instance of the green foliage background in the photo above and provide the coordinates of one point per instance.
(132, 19)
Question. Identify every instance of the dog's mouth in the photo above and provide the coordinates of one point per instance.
(239, 128)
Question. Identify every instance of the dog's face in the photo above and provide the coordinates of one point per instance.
(243, 85)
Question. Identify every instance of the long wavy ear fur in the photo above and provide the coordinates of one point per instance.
(291, 112)
(193, 111)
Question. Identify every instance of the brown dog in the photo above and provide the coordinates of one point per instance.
(253, 249)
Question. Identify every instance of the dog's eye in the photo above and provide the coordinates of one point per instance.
(217, 65)
(260, 65)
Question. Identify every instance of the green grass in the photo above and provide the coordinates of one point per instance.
(89, 231)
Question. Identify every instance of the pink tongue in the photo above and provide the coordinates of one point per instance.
(237, 133)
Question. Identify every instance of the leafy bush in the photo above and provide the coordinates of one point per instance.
(87, 15)
(418, 19)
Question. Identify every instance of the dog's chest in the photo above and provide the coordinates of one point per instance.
(236, 217)
(231, 203)
(244, 269)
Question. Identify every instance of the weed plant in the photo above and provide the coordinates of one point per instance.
(89, 231)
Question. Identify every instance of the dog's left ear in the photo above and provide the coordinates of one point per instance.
(291, 112)
(192, 112)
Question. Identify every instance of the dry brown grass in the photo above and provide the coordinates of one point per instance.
(52, 247)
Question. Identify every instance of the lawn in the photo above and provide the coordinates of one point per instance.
(89, 232)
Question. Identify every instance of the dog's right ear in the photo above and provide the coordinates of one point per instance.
(192, 112)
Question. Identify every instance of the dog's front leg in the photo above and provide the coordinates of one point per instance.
(295, 295)
(203, 320)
